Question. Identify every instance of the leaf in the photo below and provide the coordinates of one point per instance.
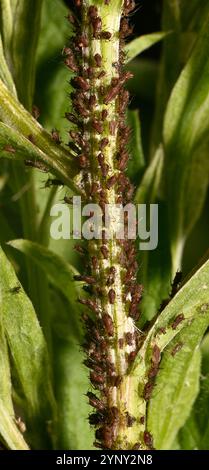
(195, 433)
(9, 432)
(6, 24)
(16, 117)
(137, 161)
(52, 264)
(5, 74)
(148, 188)
(156, 264)
(70, 375)
(141, 44)
(24, 44)
(176, 387)
(5, 383)
(28, 350)
(72, 383)
(186, 146)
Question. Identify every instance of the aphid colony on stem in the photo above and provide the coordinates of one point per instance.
(98, 138)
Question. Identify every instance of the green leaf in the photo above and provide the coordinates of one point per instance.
(24, 44)
(5, 383)
(27, 349)
(149, 186)
(6, 24)
(9, 432)
(5, 74)
(72, 383)
(176, 387)
(186, 146)
(52, 264)
(141, 44)
(195, 433)
(70, 375)
(137, 161)
(15, 116)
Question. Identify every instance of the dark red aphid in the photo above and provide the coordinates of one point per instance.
(94, 401)
(129, 337)
(111, 181)
(177, 321)
(92, 101)
(176, 349)
(105, 35)
(8, 148)
(136, 446)
(56, 136)
(89, 303)
(36, 112)
(87, 279)
(111, 296)
(83, 161)
(128, 6)
(156, 355)
(104, 251)
(37, 164)
(93, 11)
(96, 378)
(130, 420)
(80, 82)
(71, 64)
(111, 276)
(142, 420)
(112, 127)
(104, 114)
(108, 324)
(96, 26)
(98, 126)
(148, 439)
(121, 343)
(98, 60)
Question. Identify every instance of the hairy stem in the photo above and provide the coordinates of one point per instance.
(99, 142)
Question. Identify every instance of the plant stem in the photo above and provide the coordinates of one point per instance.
(112, 338)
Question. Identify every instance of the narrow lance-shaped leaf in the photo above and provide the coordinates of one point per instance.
(13, 114)
(5, 74)
(11, 436)
(27, 348)
(186, 146)
(141, 44)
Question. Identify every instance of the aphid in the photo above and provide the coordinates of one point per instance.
(87, 279)
(105, 35)
(104, 114)
(37, 164)
(71, 64)
(177, 321)
(96, 418)
(32, 138)
(111, 276)
(176, 349)
(98, 126)
(83, 161)
(176, 283)
(92, 101)
(9, 148)
(114, 90)
(98, 60)
(21, 425)
(148, 439)
(156, 355)
(53, 182)
(98, 445)
(102, 90)
(123, 161)
(134, 311)
(128, 6)
(97, 26)
(90, 304)
(112, 127)
(94, 401)
(142, 420)
(100, 157)
(125, 29)
(111, 296)
(80, 82)
(153, 372)
(121, 343)
(108, 324)
(96, 378)
(68, 200)
(111, 181)
(82, 41)
(124, 99)
(94, 261)
(105, 252)
(104, 169)
(35, 112)
(130, 420)
(56, 136)
(129, 337)
(136, 446)
(15, 290)
(132, 356)
(72, 118)
(162, 330)
(101, 75)
(93, 11)
(106, 2)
